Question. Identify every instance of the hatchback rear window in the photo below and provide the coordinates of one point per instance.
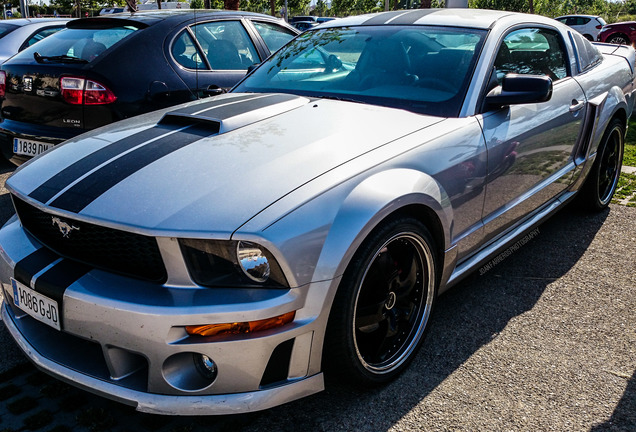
(5, 29)
(77, 44)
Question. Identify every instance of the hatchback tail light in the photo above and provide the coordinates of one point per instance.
(3, 83)
(598, 27)
(82, 91)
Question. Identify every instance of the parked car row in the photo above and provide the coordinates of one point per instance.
(594, 28)
(103, 69)
(221, 256)
(18, 34)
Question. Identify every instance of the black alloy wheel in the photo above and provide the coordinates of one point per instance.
(381, 311)
(602, 180)
(618, 40)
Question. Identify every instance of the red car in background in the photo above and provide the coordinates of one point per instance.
(620, 33)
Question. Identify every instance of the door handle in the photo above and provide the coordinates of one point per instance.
(576, 106)
(213, 90)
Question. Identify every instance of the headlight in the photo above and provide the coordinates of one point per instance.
(217, 263)
(253, 261)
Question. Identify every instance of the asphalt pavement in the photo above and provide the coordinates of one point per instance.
(543, 340)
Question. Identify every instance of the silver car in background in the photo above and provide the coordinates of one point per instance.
(220, 256)
(20, 33)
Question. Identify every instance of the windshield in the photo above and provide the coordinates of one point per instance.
(84, 44)
(422, 69)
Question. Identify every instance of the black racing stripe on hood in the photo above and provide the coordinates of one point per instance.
(68, 175)
(229, 111)
(91, 187)
(213, 103)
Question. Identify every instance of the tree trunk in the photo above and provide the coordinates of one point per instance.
(231, 4)
(132, 5)
(158, 4)
(531, 4)
(272, 5)
(426, 4)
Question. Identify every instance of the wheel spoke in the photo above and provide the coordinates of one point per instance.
(369, 317)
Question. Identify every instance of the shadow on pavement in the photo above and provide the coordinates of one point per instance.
(624, 416)
(467, 318)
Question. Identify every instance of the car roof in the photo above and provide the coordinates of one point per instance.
(150, 17)
(455, 17)
(18, 22)
(576, 15)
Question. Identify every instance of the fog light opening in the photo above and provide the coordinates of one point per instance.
(205, 366)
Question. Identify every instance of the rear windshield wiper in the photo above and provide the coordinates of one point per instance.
(59, 59)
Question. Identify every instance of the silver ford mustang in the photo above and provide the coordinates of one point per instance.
(219, 256)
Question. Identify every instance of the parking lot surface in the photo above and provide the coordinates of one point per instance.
(543, 338)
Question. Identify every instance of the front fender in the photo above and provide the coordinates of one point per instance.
(372, 201)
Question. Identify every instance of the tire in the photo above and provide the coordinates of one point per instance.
(618, 39)
(382, 308)
(588, 37)
(600, 185)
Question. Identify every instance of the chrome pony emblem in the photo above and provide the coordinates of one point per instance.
(65, 228)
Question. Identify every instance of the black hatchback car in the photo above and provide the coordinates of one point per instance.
(103, 69)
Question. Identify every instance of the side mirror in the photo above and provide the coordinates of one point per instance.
(251, 67)
(516, 89)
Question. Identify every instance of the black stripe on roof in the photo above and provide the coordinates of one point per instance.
(412, 17)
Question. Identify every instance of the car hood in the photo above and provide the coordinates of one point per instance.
(208, 166)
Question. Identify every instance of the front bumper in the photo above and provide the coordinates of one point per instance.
(125, 339)
(166, 404)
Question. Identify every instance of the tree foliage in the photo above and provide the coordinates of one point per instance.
(610, 10)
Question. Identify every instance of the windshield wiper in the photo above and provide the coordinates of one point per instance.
(60, 58)
(339, 98)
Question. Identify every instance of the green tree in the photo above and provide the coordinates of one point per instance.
(321, 7)
(342, 7)
(365, 6)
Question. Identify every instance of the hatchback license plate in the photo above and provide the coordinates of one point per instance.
(35, 304)
(28, 147)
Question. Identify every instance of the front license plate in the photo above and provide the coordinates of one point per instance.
(28, 147)
(35, 304)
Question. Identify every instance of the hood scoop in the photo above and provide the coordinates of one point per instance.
(229, 112)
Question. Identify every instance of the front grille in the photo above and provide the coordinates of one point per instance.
(109, 249)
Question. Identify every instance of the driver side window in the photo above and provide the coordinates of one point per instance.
(532, 51)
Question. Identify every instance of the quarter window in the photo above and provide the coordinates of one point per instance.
(186, 53)
(273, 35)
(532, 51)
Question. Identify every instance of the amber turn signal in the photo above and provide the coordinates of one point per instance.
(241, 327)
